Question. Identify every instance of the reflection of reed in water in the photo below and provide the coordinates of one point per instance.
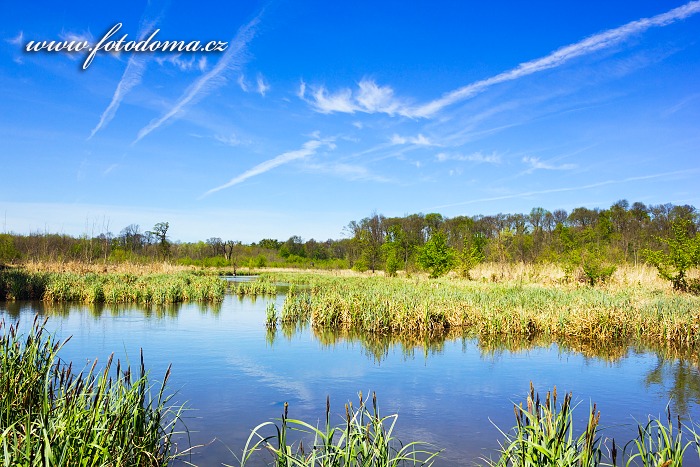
(99, 310)
(377, 346)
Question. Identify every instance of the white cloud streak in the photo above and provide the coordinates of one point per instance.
(348, 172)
(309, 148)
(559, 57)
(17, 40)
(231, 60)
(131, 77)
(419, 140)
(263, 86)
(535, 163)
(479, 157)
(372, 98)
(241, 82)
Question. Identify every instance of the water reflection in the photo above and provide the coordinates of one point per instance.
(237, 373)
(102, 310)
(378, 346)
(676, 373)
(678, 380)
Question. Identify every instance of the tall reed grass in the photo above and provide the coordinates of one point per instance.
(384, 305)
(51, 415)
(254, 288)
(544, 435)
(111, 288)
(365, 438)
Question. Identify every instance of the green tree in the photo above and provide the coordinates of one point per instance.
(8, 252)
(683, 254)
(160, 232)
(472, 254)
(436, 256)
(393, 249)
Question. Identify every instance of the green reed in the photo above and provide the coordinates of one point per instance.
(254, 288)
(365, 438)
(52, 416)
(544, 436)
(657, 444)
(271, 316)
(398, 305)
(146, 289)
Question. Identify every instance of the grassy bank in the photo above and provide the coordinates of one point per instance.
(52, 415)
(490, 309)
(146, 289)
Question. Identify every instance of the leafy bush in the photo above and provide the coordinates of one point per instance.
(683, 254)
(436, 256)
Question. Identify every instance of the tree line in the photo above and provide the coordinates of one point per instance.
(592, 239)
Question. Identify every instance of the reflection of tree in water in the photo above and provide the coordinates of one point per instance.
(679, 378)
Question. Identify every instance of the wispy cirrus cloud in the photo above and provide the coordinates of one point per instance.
(419, 140)
(536, 164)
(373, 98)
(231, 60)
(676, 173)
(230, 140)
(183, 65)
(242, 83)
(369, 98)
(17, 40)
(561, 56)
(478, 157)
(263, 86)
(308, 149)
(135, 68)
(346, 171)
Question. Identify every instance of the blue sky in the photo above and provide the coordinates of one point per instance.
(320, 113)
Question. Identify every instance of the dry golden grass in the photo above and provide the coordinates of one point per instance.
(78, 267)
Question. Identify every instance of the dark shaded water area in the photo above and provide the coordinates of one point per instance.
(234, 374)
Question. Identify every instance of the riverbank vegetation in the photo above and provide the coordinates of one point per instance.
(618, 312)
(53, 414)
(110, 288)
(589, 244)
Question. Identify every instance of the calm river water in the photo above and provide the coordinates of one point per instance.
(234, 375)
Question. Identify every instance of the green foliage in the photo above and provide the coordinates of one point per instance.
(683, 254)
(51, 416)
(472, 254)
(544, 436)
(595, 269)
(436, 256)
(8, 252)
(259, 261)
(365, 438)
(392, 249)
(160, 232)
